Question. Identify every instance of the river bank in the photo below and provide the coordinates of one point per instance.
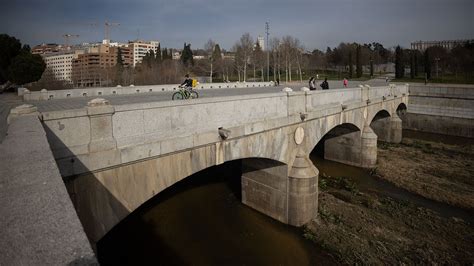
(358, 223)
(435, 170)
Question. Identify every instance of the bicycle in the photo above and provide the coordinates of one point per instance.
(185, 93)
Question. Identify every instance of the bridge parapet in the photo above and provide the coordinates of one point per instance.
(101, 91)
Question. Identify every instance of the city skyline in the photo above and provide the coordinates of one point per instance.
(318, 24)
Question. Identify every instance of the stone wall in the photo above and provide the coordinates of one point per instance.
(39, 225)
(88, 92)
(444, 109)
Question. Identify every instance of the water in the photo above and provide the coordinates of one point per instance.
(367, 183)
(201, 221)
(446, 139)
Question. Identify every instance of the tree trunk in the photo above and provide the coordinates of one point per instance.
(210, 75)
(245, 72)
(289, 69)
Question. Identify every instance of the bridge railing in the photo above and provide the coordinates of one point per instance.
(323, 98)
(101, 91)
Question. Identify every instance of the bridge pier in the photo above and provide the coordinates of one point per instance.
(388, 129)
(368, 153)
(291, 199)
(348, 145)
(302, 191)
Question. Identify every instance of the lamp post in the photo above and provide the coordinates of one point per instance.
(437, 60)
(267, 31)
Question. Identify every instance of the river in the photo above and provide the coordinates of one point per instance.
(201, 221)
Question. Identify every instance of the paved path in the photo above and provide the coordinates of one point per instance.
(10, 100)
(76, 103)
(7, 102)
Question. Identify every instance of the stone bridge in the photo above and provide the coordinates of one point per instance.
(115, 158)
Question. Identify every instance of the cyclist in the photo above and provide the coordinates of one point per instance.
(187, 83)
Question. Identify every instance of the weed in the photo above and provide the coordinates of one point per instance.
(323, 184)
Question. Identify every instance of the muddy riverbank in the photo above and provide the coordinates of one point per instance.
(362, 221)
(439, 171)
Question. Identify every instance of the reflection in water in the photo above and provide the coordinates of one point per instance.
(202, 221)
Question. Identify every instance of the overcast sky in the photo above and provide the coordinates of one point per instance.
(317, 23)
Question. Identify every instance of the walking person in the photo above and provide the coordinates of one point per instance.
(325, 84)
(345, 82)
(312, 85)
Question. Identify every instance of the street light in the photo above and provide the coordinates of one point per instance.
(267, 31)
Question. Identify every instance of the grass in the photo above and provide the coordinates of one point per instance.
(338, 182)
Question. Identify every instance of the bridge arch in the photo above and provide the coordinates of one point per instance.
(401, 109)
(105, 198)
(387, 126)
(377, 114)
(341, 143)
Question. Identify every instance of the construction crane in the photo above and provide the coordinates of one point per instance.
(107, 33)
(67, 38)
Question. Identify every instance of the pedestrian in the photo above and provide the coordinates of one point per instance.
(345, 82)
(325, 84)
(317, 76)
(386, 79)
(278, 82)
(312, 85)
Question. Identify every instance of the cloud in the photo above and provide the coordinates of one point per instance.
(317, 23)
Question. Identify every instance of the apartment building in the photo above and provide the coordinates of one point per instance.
(47, 48)
(139, 49)
(449, 44)
(94, 67)
(60, 63)
(261, 42)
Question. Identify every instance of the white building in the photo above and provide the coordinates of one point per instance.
(61, 63)
(261, 42)
(140, 48)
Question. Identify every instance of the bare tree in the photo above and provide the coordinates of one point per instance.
(258, 61)
(239, 60)
(246, 48)
(276, 56)
(49, 81)
(209, 48)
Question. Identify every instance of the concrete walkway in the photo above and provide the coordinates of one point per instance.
(38, 223)
(8, 101)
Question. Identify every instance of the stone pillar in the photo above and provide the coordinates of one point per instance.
(395, 129)
(43, 94)
(343, 147)
(388, 129)
(302, 190)
(264, 187)
(100, 115)
(24, 109)
(368, 152)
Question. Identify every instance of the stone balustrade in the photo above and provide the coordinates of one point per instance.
(101, 91)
